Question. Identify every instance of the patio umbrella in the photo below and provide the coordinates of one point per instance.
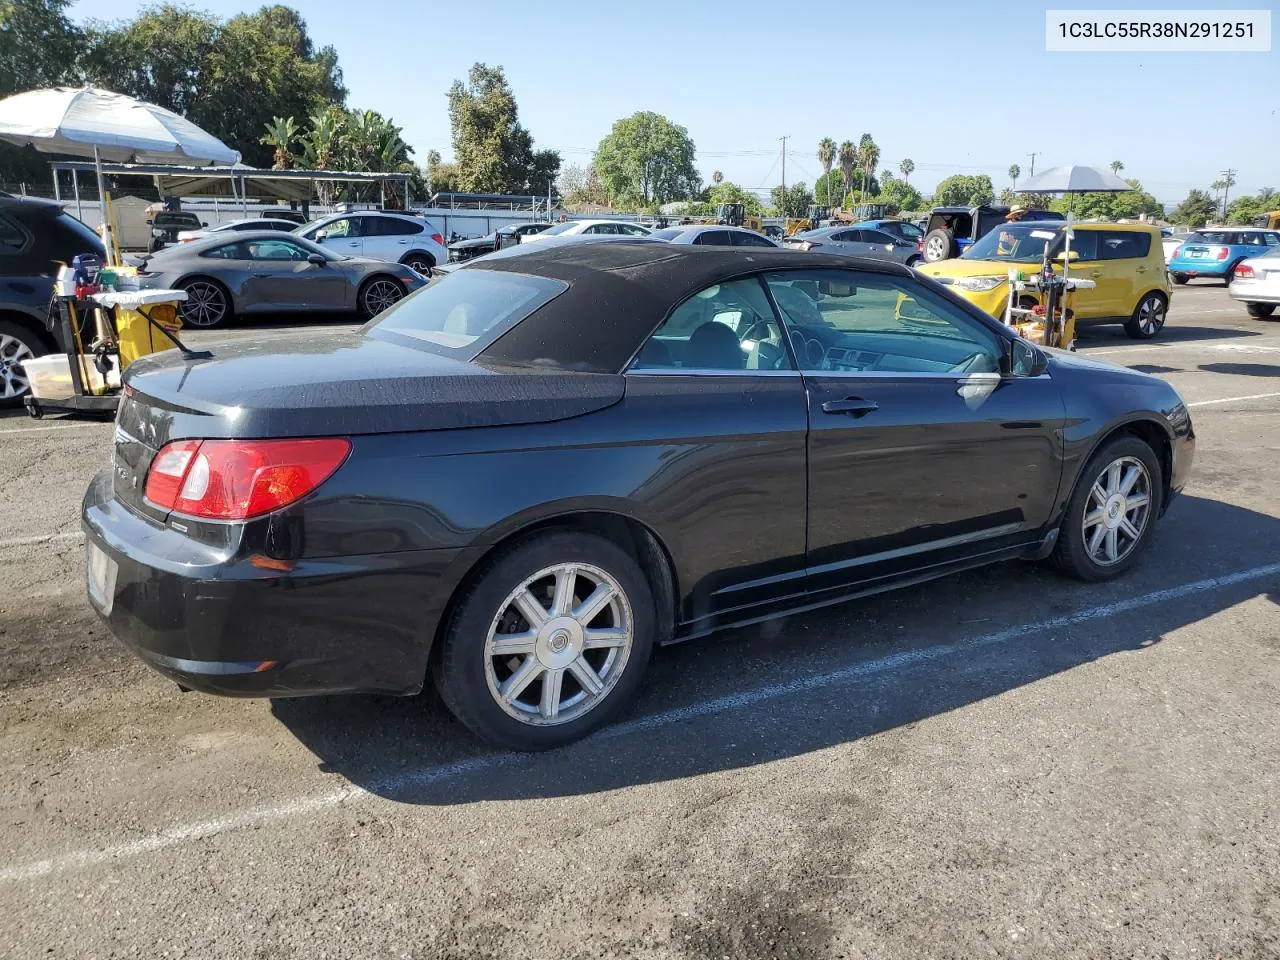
(1075, 179)
(88, 122)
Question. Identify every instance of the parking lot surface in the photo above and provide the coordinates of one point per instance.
(1000, 764)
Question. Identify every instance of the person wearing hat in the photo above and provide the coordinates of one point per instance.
(1017, 212)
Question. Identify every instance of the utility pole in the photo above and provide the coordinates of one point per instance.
(1228, 181)
(1033, 162)
(783, 204)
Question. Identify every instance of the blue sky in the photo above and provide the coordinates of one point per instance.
(959, 88)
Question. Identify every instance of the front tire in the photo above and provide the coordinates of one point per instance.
(208, 304)
(1111, 514)
(1148, 317)
(549, 642)
(1259, 311)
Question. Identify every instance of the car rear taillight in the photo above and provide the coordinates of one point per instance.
(1223, 253)
(239, 479)
(1244, 271)
(438, 239)
(920, 245)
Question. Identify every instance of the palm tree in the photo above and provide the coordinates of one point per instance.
(868, 158)
(1116, 167)
(1266, 193)
(320, 147)
(848, 157)
(826, 157)
(717, 177)
(1015, 172)
(907, 167)
(281, 133)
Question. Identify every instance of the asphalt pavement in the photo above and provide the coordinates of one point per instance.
(1000, 764)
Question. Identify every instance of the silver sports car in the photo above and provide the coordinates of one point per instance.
(263, 271)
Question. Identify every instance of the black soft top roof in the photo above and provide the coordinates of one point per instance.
(620, 292)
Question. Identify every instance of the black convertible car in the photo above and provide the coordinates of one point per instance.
(523, 476)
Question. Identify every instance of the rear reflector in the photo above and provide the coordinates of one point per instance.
(239, 479)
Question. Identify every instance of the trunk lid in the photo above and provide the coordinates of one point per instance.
(332, 385)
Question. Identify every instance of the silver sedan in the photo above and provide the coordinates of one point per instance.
(857, 242)
(1256, 284)
(711, 235)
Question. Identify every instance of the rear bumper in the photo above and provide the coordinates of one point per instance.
(1201, 268)
(1255, 292)
(219, 624)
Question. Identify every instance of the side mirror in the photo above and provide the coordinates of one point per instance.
(203, 224)
(1022, 359)
(317, 258)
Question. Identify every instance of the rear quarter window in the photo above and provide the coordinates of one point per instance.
(1123, 245)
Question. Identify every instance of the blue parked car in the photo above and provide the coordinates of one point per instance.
(1216, 252)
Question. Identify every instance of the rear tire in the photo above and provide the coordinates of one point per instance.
(1148, 317)
(529, 695)
(1096, 511)
(17, 344)
(1260, 311)
(939, 245)
(419, 262)
(1179, 278)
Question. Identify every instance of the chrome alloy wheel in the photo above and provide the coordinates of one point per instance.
(13, 351)
(205, 306)
(559, 644)
(1151, 315)
(1117, 512)
(381, 294)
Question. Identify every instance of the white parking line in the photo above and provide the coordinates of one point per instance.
(44, 538)
(51, 428)
(406, 780)
(1252, 396)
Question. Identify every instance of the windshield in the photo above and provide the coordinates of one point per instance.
(460, 314)
(558, 229)
(1012, 243)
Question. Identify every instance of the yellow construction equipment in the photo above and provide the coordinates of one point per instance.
(1268, 221)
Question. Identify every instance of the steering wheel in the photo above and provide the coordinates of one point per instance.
(770, 354)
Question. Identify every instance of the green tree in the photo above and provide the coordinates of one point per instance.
(544, 168)
(1015, 172)
(1267, 194)
(826, 158)
(962, 190)
(792, 202)
(1111, 206)
(230, 78)
(868, 160)
(907, 167)
(647, 159)
(282, 133)
(1116, 167)
(898, 194)
(848, 157)
(729, 192)
(828, 189)
(580, 187)
(1195, 210)
(1245, 209)
(494, 152)
(717, 177)
(39, 45)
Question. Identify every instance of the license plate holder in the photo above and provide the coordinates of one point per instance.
(100, 573)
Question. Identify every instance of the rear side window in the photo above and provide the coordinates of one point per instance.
(1122, 245)
(228, 251)
(13, 238)
(460, 314)
(747, 239)
(391, 227)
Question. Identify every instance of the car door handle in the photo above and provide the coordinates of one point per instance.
(853, 406)
(262, 276)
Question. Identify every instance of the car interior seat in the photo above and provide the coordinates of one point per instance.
(714, 346)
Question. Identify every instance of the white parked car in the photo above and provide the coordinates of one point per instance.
(1172, 240)
(393, 237)
(254, 223)
(1256, 284)
(605, 228)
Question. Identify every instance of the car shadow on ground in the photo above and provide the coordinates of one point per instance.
(1172, 334)
(749, 697)
(1242, 369)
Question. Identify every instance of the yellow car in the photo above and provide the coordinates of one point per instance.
(1125, 261)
